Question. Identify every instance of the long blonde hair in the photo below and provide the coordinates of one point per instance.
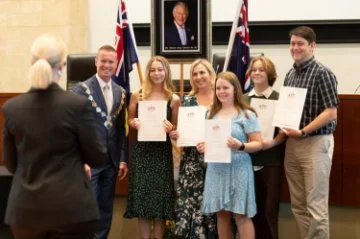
(47, 54)
(148, 84)
(239, 101)
(209, 68)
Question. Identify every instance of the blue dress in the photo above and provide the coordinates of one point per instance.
(230, 186)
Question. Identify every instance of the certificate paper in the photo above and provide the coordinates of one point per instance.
(191, 125)
(152, 115)
(217, 132)
(289, 107)
(265, 110)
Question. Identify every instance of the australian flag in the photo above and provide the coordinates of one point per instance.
(125, 46)
(238, 56)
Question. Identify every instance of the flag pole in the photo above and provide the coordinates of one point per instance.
(140, 73)
(232, 36)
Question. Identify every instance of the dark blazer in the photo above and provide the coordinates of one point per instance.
(47, 137)
(172, 37)
(115, 137)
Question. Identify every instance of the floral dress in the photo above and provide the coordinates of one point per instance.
(151, 180)
(189, 221)
(230, 186)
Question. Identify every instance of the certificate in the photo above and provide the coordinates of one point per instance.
(289, 107)
(265, 110)
(191, 125)
(152, 115)
(217, 132)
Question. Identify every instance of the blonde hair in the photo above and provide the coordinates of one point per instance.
(268, 65)
(148, 84)
(47, 53)
(239, 101)
(209, 68)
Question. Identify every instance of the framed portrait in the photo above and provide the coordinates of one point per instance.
(181, 29)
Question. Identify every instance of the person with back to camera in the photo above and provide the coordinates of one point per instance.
(48, 136)
(176, 33)
(309, 151)
(151, 178)
(109, 111)
(190, 222)
(268, 163)
(229, 187)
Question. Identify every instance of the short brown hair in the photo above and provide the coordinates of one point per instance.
(268, 65)
(107, 48)
(305, 32)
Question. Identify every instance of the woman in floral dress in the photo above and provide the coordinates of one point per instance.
(151, 179)
(189, 221)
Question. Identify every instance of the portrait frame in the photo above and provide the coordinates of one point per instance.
(197, 25)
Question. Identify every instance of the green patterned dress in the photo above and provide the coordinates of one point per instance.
(151, 180)
(189, 221)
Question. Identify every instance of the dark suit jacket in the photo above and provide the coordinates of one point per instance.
(47, 137)
(115, 137)
(172, 37)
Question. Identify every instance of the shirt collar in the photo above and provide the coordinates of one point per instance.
(267, 92)
(179, 27)
(102, 83)
(304, 65)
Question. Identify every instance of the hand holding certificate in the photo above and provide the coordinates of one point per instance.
(289, 107)
(152, 115)
(217, 132)
(265, 110)
(191, 125)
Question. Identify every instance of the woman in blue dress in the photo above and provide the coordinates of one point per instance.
(229, 187)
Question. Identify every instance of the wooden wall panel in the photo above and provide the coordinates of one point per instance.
(351, 151)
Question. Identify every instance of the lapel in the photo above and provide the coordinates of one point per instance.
(116, 96)
(96, 92)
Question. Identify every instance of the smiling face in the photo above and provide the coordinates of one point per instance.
(224, 91)
(157, 73)
(258, 74)
(301, 50)
(180, 14)
(105, 63)
(201, 77)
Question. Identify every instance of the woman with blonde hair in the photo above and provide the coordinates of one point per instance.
(190, 222)
(151, 178)
(48, 136)
(229, 187)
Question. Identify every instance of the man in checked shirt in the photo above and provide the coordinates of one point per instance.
(309, 151)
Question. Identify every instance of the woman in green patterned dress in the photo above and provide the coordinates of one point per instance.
(189, 221)
(151, 178)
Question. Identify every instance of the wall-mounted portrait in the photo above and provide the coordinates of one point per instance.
(180, 29)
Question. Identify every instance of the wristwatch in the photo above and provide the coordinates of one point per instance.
(242, 147)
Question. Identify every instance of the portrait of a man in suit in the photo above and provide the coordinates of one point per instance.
(176, 33)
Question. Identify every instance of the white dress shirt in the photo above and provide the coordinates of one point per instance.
(108, 94)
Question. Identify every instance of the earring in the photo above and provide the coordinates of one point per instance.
(59, 73)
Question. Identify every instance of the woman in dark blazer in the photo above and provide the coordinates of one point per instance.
(48, 137)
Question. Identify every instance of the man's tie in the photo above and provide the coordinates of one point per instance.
(183, 36)
(106, 92)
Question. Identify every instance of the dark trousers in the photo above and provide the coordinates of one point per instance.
(267, 189)
(103, 182)
(84, 230)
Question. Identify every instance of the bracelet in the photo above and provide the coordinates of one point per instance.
(242, 147)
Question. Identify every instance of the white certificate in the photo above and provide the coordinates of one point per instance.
(152, 115)
(289, 107)
(191, 125)
(265, 110)
(217, 132)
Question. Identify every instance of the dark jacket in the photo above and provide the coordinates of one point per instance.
(48, 135)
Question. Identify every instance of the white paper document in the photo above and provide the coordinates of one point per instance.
(265, 110)
(217, 132)
(191, 125)
(289, 107)
(152, 115)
